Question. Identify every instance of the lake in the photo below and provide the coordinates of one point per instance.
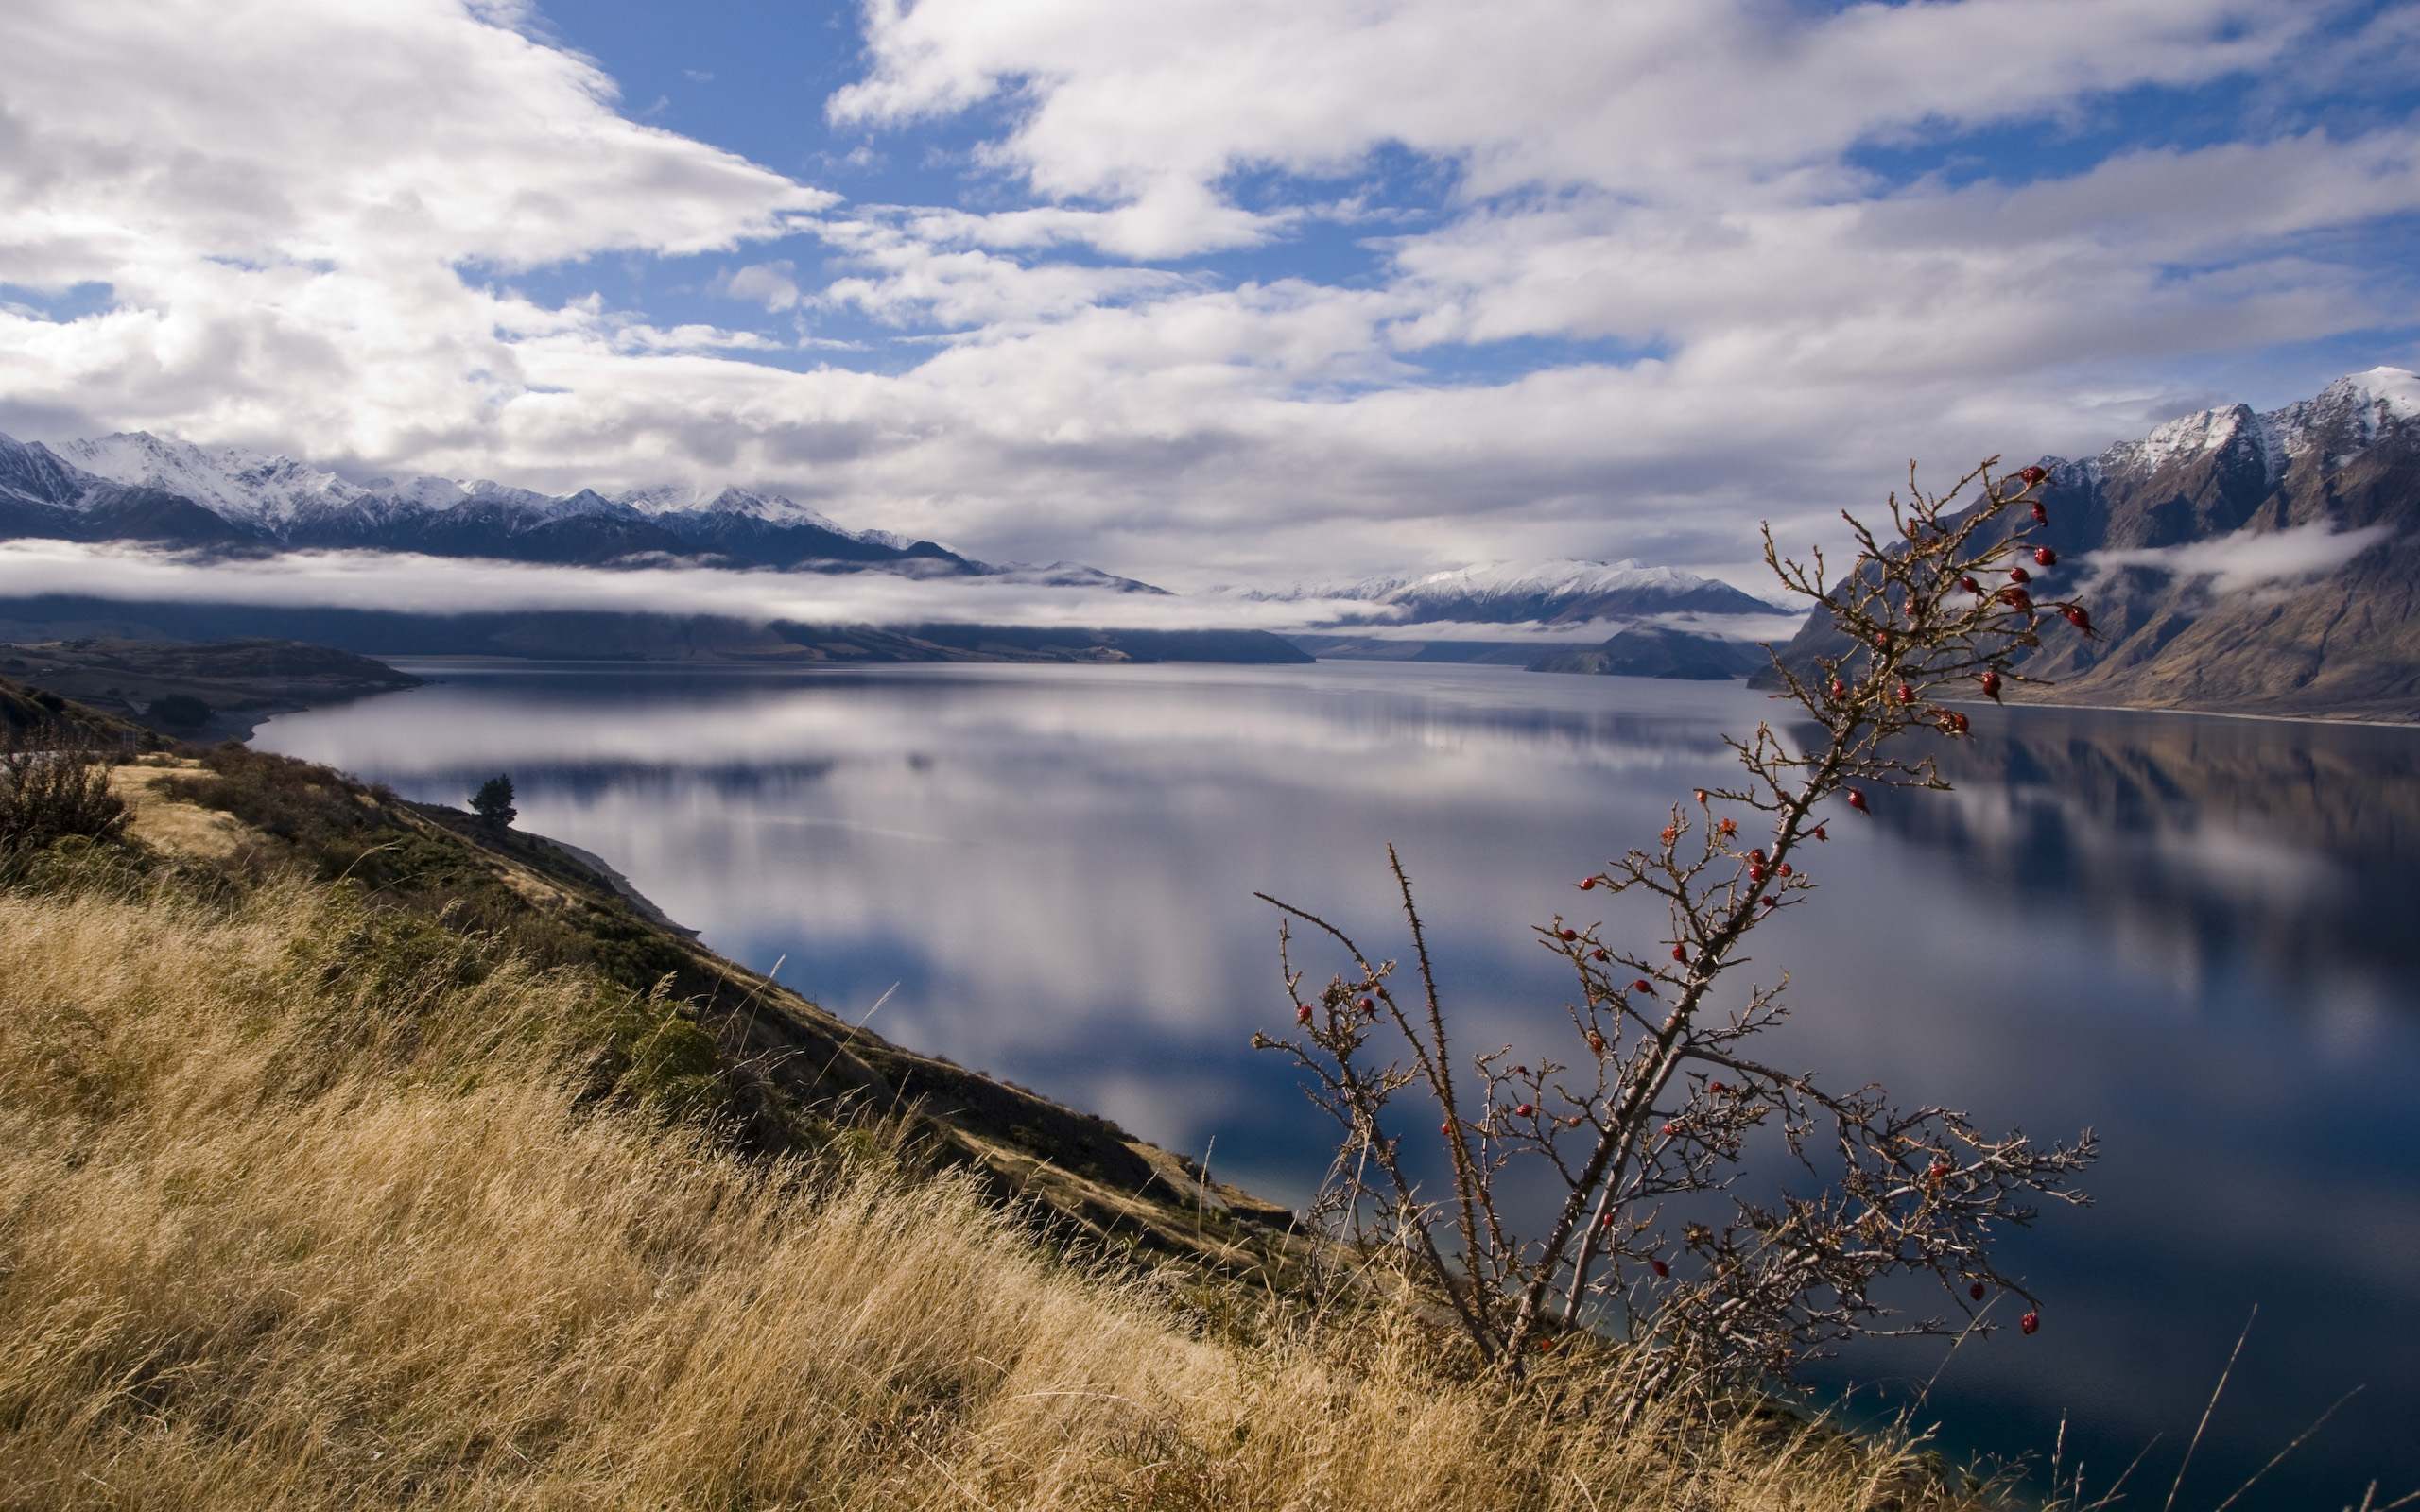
(2194, 934)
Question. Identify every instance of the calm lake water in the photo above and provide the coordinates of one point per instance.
(2196, 934)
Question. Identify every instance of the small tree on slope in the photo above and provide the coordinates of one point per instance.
(493, 803)
(1663, 1095)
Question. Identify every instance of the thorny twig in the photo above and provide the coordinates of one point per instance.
(1661, 1102)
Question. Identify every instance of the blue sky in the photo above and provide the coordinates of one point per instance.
(1211, 291)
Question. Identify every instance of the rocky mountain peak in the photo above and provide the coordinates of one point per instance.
(2252, 562)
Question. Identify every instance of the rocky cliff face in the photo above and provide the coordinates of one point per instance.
(2240, 562)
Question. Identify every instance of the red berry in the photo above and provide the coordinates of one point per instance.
(1782, 870)
(2045, 557)
(2018, 575)
(1907, 694)
(1701, 796)
(1643, 984)
(1769, 901)
(1670, 1129)
(1596, 1042)
(1958, 722)
(2077, 617)
(1840, 689)
(2031, 476)
(1524, 1110)
(1970, 584)
(1303, 1015)
(1598, 953)
(1820, 834)
(1713, 1087)
(1661, 1269)
(1605, 1222)
(1365, 1005)
(1992, 686)
(1446, 1129)
(2041, 516)
(1756, 874)
(2017, 599)
(1857, 801)
(1882, 638)
(1566, 933)
(1587, 883)
(2029, 1322)
(1976, 1291)
(1680, 953)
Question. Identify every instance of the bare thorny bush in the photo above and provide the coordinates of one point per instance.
(55, 782)
(1658, 1109)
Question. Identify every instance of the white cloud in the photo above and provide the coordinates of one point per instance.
(285, 237)
(333, 261)
(2249, 558)
(431, 585)
(1151, 106)
(765, 283)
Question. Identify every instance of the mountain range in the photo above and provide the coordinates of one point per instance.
(143, 488)
(1563, 593)
(2242, 562)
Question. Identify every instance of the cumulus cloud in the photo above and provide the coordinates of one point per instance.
(1656, 287)
(287, 240)
(2251, 558)
(765, 283)
(1152, 107)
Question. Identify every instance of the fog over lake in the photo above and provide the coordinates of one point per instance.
(2194, 934)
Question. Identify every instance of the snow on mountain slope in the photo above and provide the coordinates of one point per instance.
(1566, 592)
(2233, 561)
(277, 494)
(2345, 417)
(1566, 579)
(769, 509)
(34, 475)
(244, 487)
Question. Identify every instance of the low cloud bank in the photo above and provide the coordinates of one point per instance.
(2249, 558)
(1742, 628)
(432, 585)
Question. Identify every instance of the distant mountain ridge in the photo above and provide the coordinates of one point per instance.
(139, 486)
(2242, 562)
(1566, 593)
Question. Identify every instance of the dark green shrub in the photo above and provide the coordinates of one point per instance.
(493, 803)
(179, 710)
(49, 794)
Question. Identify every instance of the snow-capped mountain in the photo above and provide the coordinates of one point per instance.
(2241, 560)
(2344, 419)
(242, 487)
(1551, 593)
(140, 487)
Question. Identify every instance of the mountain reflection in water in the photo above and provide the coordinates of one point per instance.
(2222, 843)
(2189, 933)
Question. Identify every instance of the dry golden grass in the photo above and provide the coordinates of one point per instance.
(304, 1208)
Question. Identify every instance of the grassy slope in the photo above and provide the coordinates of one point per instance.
(314, 1196)
(28, 711)
(761, 1057)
